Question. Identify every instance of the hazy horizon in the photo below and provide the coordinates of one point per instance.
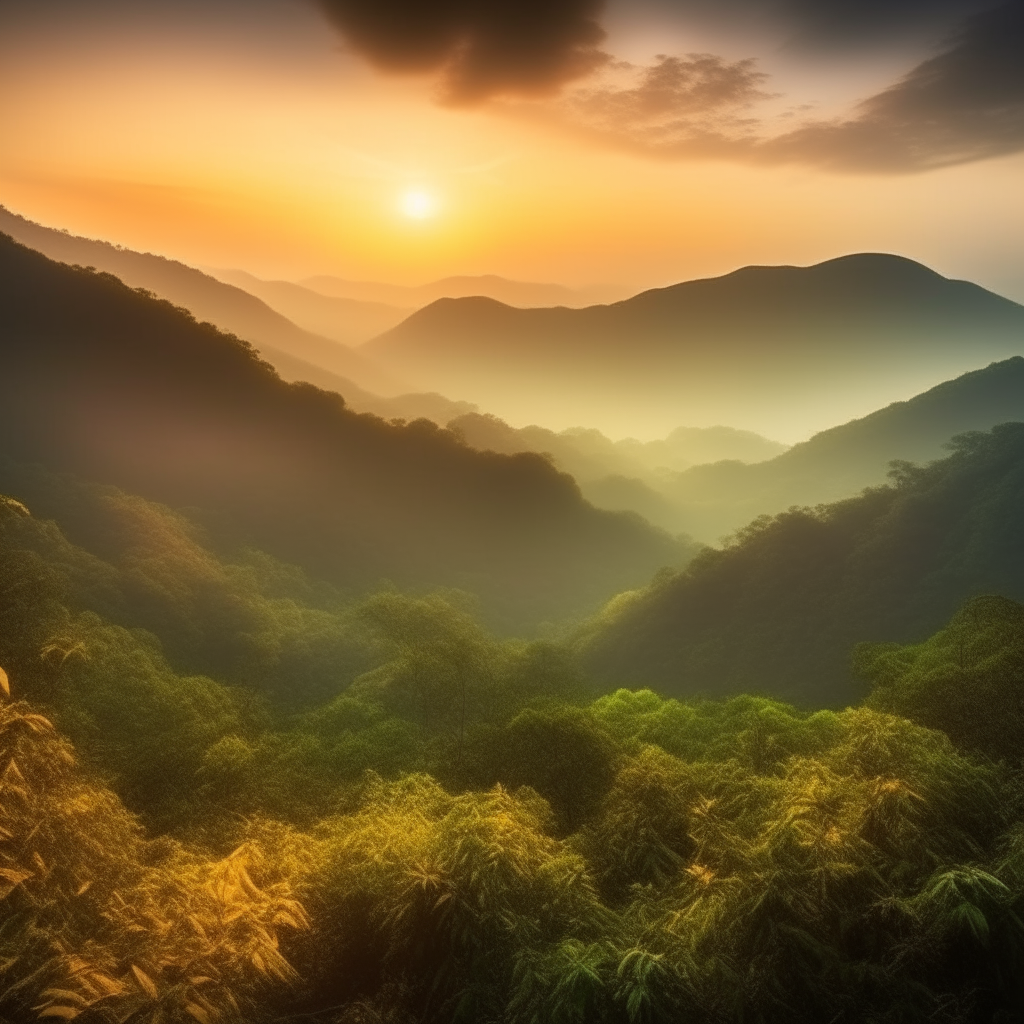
(651, 144)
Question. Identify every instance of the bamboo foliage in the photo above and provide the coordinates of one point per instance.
(454, 886)
(457, 839)
(102, 924)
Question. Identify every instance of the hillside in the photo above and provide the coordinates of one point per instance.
(495, 845)
(712, 500)
(121, 388)
(345, 320)
(619, 475)
(707, 482)
(779, 609)
(779, 350)
(298, 354)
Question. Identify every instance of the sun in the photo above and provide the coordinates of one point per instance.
(418, 204)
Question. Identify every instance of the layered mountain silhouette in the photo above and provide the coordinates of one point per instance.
(620, 475)
(781, 350)
(714, 499)
(298, 354)
(352, 312)
(708, 482)
(513, 293)
(346, 320)
(779, 610)
(118, 387)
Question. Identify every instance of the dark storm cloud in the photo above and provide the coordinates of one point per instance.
(966, 103)
(480, 47)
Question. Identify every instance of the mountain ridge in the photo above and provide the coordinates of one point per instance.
(506, 290)
(776, 350)
(839, 462)
(779, 609)
(225, 305)
(118, 387)
(347, 321)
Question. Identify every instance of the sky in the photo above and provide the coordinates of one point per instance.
(635, 143)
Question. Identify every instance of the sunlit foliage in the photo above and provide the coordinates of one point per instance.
(456, 830)
(101, 923)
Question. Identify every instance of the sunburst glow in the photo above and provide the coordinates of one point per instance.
(418, 204)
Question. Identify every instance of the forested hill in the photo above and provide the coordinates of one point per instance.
(780, 608)
(121, 388)
(717, 498)
(296, 353)
(460, 835)
(760, 346)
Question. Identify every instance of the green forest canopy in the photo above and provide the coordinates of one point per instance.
(452, 827)
(778, 609)
(230, 791)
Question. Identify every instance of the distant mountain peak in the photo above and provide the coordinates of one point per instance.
(784, 350)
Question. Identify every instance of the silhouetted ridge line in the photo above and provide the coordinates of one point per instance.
(776, 350)
(121, 388)
(310, 356)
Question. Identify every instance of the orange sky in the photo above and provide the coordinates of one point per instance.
(283, 155)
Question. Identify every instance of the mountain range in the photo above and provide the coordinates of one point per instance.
(352, 312)
(715, 499)
(709, 482)
(779, 350)
(346, 320)
(118, 387)
(297, 354)
(512, 293)
(780, 608)
(626, 475)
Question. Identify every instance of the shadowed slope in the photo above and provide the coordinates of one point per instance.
(779, 609)
(291, 349)
(121, 388)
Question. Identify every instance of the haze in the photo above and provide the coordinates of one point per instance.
(291, 140)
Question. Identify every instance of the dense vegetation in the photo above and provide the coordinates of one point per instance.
(235, 789)
(456, 829)
(709, 501)
(115, 386)
(779, 607)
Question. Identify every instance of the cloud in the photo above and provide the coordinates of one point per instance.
(965, 104)
(675, 106)
(827, 24)
(481, 48)
(672, 94)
